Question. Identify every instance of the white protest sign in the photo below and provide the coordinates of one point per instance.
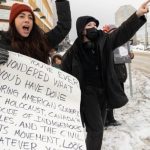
(123, 51)
(39, 107)
(121, 55)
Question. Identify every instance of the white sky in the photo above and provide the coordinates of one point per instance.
(103, 10)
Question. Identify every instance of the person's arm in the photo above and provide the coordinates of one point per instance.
(126, 30)
(59, 32)
(3, 56)
(129, 27)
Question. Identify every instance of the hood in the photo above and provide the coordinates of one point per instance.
(82, 21)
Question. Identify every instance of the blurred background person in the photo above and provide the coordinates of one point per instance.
(56, 60)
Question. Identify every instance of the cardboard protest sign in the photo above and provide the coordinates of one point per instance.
(39, 107)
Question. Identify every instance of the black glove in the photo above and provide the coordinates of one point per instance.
(3, 55)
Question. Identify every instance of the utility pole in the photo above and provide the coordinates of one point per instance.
(130, 73)
(146, 34)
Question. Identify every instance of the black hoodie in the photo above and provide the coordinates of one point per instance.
(82, 21)
(90, 57)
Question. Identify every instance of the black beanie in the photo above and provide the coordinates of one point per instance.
(82, 21)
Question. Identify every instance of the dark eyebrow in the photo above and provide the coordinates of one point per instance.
(21, 13)
(24, 14)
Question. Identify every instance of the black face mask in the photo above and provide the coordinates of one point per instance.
(92, 34)
(88, 45)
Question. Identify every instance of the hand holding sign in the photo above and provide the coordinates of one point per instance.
(3, 56)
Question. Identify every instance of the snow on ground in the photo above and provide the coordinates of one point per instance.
(134, 133)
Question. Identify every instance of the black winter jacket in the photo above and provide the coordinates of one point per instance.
(107, 43)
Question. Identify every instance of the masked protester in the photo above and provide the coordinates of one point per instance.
(25, 37)
(90, 60)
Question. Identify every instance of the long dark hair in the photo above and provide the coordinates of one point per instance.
(35, 45)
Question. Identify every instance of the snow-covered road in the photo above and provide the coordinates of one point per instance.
(134, 133)
(142, 61)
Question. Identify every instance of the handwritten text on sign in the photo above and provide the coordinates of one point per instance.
(39, 107)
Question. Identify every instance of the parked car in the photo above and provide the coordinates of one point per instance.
(140, 47)
(147, 48)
